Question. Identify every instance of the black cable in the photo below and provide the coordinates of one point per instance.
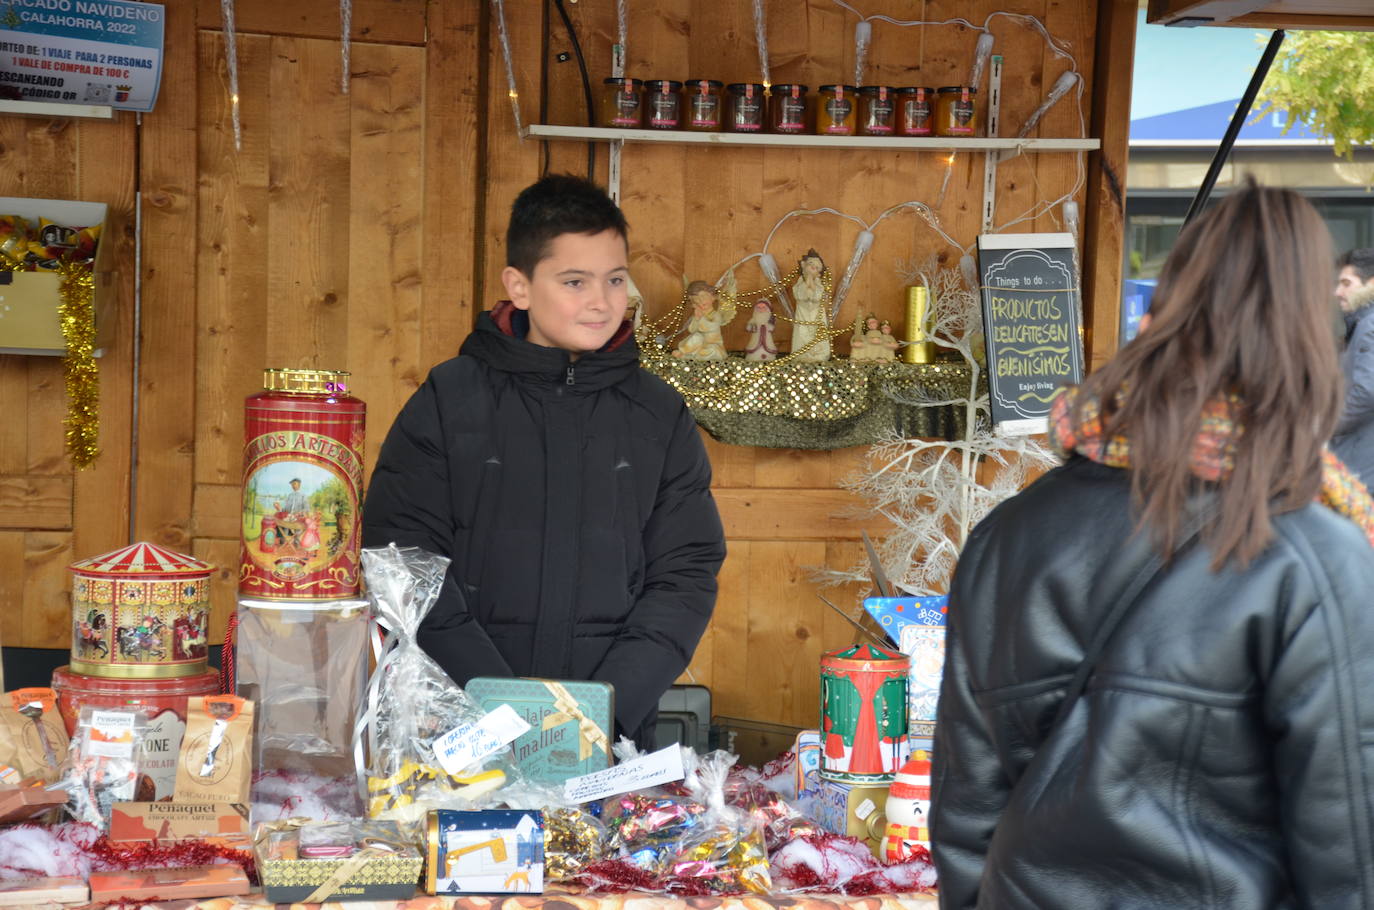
(1247, 101)
(586, 84)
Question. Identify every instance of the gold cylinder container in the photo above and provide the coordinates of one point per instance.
(918, 347)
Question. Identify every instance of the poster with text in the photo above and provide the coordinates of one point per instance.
(1031, 323)
(94, 52)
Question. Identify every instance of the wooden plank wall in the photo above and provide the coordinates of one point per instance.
(364, 230)
(696, 211)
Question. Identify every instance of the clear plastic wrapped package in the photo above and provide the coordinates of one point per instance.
(412, 703)
(725, 853)
(304, 664)
(104, 764)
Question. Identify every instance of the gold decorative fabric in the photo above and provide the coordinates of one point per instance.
(828, 405)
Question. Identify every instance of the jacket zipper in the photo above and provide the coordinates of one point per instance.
(569, 380)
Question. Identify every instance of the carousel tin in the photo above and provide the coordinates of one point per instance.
(863, 714)
(302, 482)
(140, 613)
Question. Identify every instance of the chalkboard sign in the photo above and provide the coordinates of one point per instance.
(1030, 325)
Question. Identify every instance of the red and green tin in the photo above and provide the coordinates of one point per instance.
(863, 714)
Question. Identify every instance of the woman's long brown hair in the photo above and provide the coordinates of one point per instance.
(1243, 306)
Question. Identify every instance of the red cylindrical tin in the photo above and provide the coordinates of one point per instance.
(302, 479)
(863, 714)
(140, 613)
(164, 701)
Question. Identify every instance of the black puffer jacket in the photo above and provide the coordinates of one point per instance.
(575, 502)
(1223, 752)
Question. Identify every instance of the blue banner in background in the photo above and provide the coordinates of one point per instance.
(101, 52)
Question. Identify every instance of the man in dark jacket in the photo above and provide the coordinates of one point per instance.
(570, 488)
(1353, 441)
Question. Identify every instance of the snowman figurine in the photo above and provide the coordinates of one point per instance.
(908, 811)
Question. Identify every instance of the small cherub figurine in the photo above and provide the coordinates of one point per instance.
(888, 344)
(762, 324)
(709, 315)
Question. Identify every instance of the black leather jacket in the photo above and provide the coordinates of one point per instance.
(1223, 752)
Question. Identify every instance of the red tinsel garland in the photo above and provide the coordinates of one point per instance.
(105, 855)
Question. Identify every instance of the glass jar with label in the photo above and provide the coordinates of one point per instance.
(621, 102)
(836, 110)
(788, 108)
(955, 114)
(877, 111)
(701, 105)
(915, 111)
(663, 104)
(745, 108)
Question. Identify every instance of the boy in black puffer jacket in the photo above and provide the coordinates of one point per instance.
(570, 488)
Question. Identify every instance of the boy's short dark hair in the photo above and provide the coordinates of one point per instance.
(1362, 261)
(557, 204)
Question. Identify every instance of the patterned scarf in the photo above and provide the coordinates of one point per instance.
(1213, 456)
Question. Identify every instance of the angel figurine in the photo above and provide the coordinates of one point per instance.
(810, 331)
(709, 315)
(762, 323)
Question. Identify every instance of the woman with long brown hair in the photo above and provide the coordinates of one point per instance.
(1156, 688)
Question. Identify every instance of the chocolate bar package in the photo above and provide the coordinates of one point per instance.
(169, 884)
(43, 892)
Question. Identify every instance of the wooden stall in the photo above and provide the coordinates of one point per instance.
(362, 230)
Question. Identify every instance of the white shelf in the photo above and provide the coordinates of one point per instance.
(48, 109)
(894, 143)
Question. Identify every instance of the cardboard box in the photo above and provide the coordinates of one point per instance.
(923, 640)
(853, 810)
(557, 746)
(807, 769)
(42, 892)
(491, 851)
(391, 873)
(29, 300)
(169, 884)
(168, 822)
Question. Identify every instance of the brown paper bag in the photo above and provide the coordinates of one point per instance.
(215, 764)
(33, 739)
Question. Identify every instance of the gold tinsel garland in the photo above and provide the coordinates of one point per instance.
(76, 316)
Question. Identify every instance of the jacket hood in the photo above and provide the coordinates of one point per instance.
(499, 340)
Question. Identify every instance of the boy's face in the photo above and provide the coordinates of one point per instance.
(577, 295)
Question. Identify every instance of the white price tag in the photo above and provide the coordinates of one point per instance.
(466, 744)
(661, 767)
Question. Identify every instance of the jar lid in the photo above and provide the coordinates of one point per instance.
(321, 382)
(743, 86)
(955, 89)
(788, 88)
(709, 83)
(142, 559)
(876, 90)
(622, 80)
(831, 88)
(658, 85)
(915, 89)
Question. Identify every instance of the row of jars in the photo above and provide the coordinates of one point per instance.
(705, 105)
